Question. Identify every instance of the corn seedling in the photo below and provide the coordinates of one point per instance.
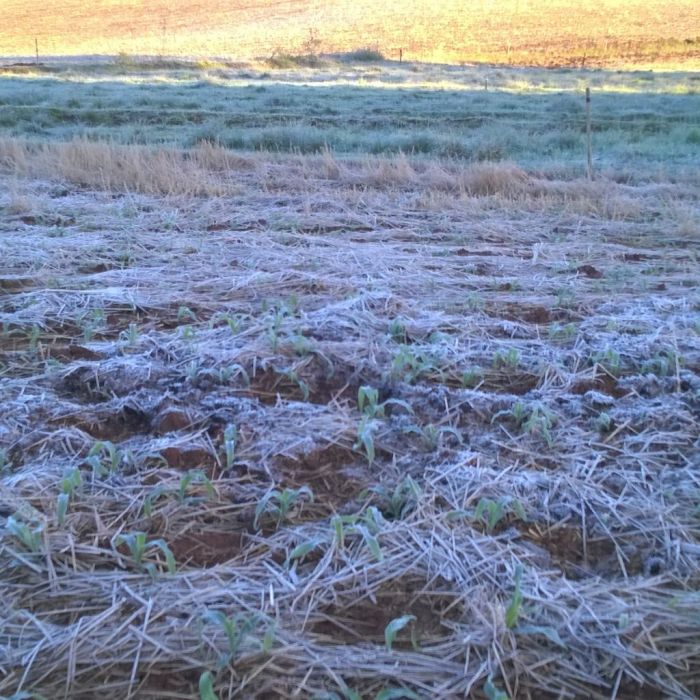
(91, 324)
(404, 498)
(148, 502)
(4, 460)
(206, 687)
(230, 440)
(365, 438)
(236, 628)
(562, 332)
(29, 537)
(301, 550)
(303, 386)
(188, 333)
(609, 360)
(516, 601)
(535, 420)
(301, 345)
(279, 504)
(410, 365)
(139, 546)
(131, 335)
(396, 694)
(492, 692)
(105, 458)
(72, 481)
(394, 627)
(472, 377)
(475, 302)
(432, 435)
(509, 359)
(196, 476)
(368, 403)
(185, 313)
(33, 337)
(346, 525)
(192, 370)
(603, 423)
(397, 331)
(663, 364)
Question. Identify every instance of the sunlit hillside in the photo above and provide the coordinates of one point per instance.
(539, 32)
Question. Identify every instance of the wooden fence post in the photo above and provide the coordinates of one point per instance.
(589, 145)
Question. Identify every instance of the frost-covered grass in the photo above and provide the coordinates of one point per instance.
(530, 116)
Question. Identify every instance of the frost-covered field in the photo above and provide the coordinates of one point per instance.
(307, 425)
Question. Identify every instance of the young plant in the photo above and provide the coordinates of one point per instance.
(472, 377)
(206, 687)
(404, 498)
(509, 359)
(365, 525)
(4, 460)
(663, 364)
(609, 360)
(33, 337)
(365, 438)
(236, 628)
(395, 626)
(185, 313)
(279, 504)
(368, 403)
(131, 335)
(410, 365)
(492, 692)
(516, 601)
(397, 331)
(29, 537)
(139, 546)
(230, 440)
(194, 476)
(148, 502)
(72, 481)
(432, 435)
(105, 458)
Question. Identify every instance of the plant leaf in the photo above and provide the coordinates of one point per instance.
(394, 627)
(395, 694)
(206, 687)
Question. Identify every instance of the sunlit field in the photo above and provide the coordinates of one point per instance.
(620, 33)
(340, 378)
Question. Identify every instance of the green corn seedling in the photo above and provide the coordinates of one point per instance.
(236, 628)
(401, 500)
(394, 627)
(105, 458)
(280, 503)
(472, 377)
(72, 481)
(29, 537)
(230, 440)
(510, 359)
(139, 546)
(492, 692)
(365, 438)
(516, 601)
(368, 403)
(206, 687)
(196, 476)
